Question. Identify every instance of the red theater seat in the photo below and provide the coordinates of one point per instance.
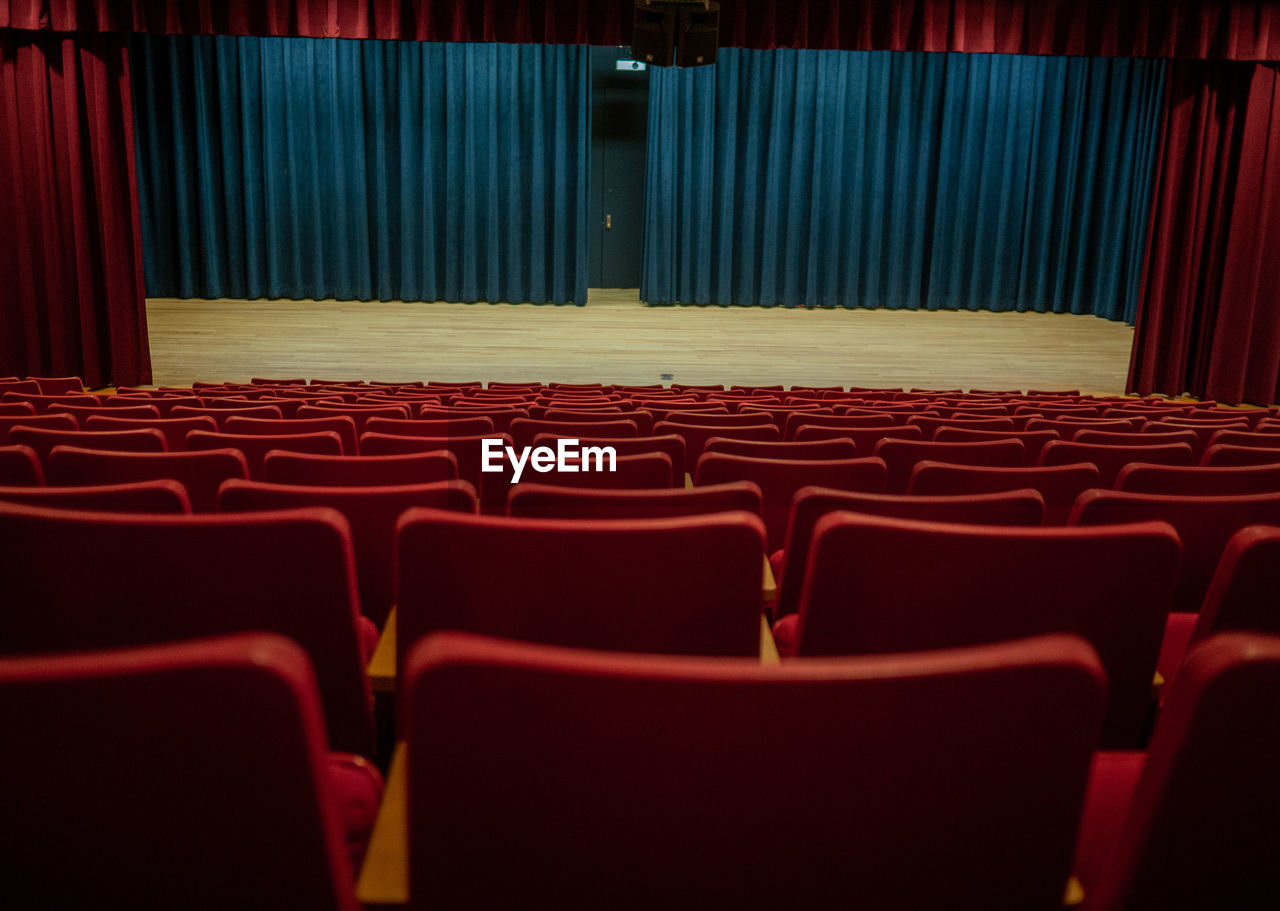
(255, 448)
(1058, 484)
(168, 497)
(864, 591)
(193, 775)
(200, 473)
(1193, 823)
(539, 501)
(359, 471)
(638, 779)
(900, 456)
(20, 467)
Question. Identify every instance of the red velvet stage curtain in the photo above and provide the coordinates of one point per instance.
(1189, 29)
(1209, 310)
(71, 297)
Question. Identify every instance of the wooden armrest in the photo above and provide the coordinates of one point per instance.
(769, 586)
(382, 666)
(1157, 686)
(688, 479)
(384, 878)
(768, 648)
(1074, 895)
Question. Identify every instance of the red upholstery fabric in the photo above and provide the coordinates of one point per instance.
(1220, 29)
(255, 448)
(342, 425)
(863, 592)
(687, 585)
(200, 473)
(1199, 480)
(1201, 828)
(42, 440)
(164, 578)
(143, 496)
(638, 780)
(372, 512)
(206, 760)
(359, 471)
(670, 444)
(20, 467)
(175, 430)
(900, 456)
(1111, 459)
(70, 236)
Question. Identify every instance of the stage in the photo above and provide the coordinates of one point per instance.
(617, 339)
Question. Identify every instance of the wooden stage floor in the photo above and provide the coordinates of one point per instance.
(617, 339)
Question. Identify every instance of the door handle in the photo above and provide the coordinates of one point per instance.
(608, 222)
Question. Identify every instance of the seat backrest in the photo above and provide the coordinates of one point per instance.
(372, 513)
(864, 591)
(141, 496)
(84, 412)
(502, 416)
(359, 414)
(806, 419)
(1010, 507)
(42, 440)
(43, 403)
(58, 385)
(540, 501)
(49, 421)
(222, 415)
(175, 430)
(523, 430)
(20, 467)
(1198, 480)
(900, 456)
(864, 438)
(255, 448)
(642, 419)
(1201, 831)
(132, 772)
(1240, 438)
(1111, 459)
(17, 409)
(359, 471)
(1223, 455)
(696, 436)
(669, 444)
(1204, 523)
(929, 426)
(468, 451)
(431, 427)
(779, 479)
(200, 473)
(164, 578)
(1034, 440)
(1242, 592)
(641, 471)
(1058, 484)
(1203, 432)
(808, 451)
(340, 424)
(625, 758)
(676, 585)
(1110, 438)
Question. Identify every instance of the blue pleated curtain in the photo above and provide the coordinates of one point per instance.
(902, 180)
(314, 168)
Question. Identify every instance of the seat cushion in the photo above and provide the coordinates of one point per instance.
(355, 785)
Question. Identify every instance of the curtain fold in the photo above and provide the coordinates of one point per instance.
(71, 295)
(303, 168)
(875, 179)
(1209, 317)
(1190, 29)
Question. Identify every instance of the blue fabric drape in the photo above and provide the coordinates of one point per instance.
(311, 168)
(902, 180)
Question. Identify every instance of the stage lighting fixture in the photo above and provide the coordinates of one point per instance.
(680, 32)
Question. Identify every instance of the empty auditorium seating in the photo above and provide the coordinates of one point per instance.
(193, 775)
(1204, 523)
(44, 421)
(1110, 459)
(540, 501)
(1192, 824)
(359, 471)
(372, 513)
(20, 467)
(1059, 485)
(140, 496)
(900, 456)
(42, 440)
(866, 589)
(1010, 507)
(255, 448)
(644, 781)
(162, 578)
(1033, 440)
(676, 585)
(200, 473)
(175, 430)
(779, 479)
